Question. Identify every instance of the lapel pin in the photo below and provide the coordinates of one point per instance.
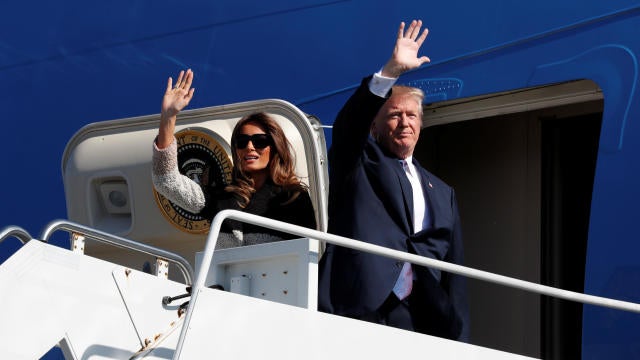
(430, 185)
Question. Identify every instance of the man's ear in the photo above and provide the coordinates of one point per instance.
(373, 131)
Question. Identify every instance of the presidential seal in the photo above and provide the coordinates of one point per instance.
(203, 159)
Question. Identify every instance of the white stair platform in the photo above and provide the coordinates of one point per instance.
(99, 310)
(231, 326)
(93, 308)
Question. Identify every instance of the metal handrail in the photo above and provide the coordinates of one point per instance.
(182, 263)
(16, 232)
(207, 257)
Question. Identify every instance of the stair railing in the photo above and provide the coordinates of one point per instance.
(16, 232)
(84, 231)
(199, 284)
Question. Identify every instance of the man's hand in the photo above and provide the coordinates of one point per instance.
(405, 54)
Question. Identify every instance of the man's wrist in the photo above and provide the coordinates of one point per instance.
(380, 84)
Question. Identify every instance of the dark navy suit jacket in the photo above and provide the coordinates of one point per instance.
(370, 199)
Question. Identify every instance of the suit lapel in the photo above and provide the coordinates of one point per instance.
(427, 190)
(388, 174)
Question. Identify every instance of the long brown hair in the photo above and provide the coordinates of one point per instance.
(281, 162)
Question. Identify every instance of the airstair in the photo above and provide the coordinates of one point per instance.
(95, 309)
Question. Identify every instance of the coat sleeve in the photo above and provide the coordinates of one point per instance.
(168, 181)
(444, 297)
(456, 284)
(351, 130)
(349, 137)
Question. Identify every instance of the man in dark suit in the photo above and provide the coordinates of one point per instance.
(381, 195)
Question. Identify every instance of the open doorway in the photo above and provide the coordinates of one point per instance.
(523, 177)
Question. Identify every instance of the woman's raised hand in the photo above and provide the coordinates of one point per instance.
(175, 99)
(178, 97)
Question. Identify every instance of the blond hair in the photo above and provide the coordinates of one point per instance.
(401, 90)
